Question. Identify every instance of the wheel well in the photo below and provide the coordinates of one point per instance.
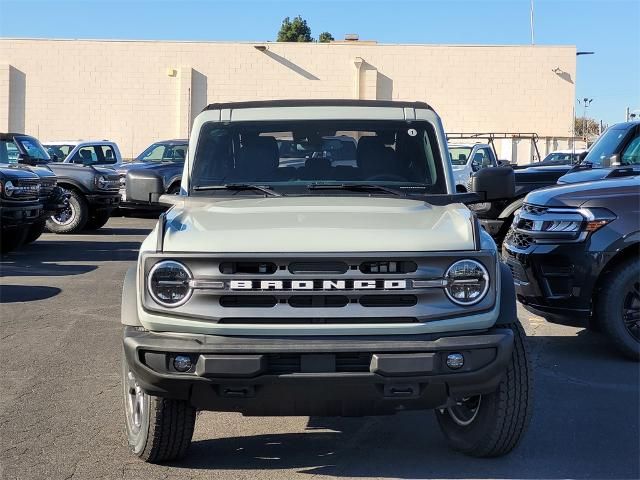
(70, 187)
(461, 189)
(632, 251)
(174, 184)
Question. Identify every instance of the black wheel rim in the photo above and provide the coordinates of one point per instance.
(465, 410)
(631, 310)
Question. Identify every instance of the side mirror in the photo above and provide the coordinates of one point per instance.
(144, 187)
(504, 163)
(611, 160)
(25, 159)
(496, 183)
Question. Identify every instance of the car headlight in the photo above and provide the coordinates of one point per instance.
(101, 182)
(9, 188)
(467, 282)
(169, 283)
(552, 225)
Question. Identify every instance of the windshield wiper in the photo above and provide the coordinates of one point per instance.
(356, 187)
(239, 187)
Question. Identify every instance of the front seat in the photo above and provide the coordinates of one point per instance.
(257, 160)
(374, 158)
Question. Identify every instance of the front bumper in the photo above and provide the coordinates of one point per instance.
(318, 375)
(106, 200)
(556, 280)
(16, 214)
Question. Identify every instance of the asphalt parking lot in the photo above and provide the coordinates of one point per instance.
(60, 397)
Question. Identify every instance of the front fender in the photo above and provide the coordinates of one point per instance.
(511, 208)
(129, 308)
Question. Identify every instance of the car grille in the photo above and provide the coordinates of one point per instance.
(26, 189)
(112, 182)
(47, 186)
(312, 289)
(281, 364)
(518, 240)
(518, 273)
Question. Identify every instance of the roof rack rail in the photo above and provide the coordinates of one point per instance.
(318, 102)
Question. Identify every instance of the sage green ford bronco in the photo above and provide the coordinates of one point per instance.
(318, 261)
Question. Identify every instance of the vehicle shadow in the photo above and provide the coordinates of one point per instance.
(115, 231)
(26, 293)
(585, 425)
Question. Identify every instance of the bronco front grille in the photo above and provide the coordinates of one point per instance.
(26, 188)
(308, 289)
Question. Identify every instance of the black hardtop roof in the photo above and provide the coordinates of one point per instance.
(10, 135)
(318, 103)
(175, 140)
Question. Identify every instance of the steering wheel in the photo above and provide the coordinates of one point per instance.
(387, 176)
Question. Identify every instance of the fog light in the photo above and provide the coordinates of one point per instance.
(182, 363)
(455, 361)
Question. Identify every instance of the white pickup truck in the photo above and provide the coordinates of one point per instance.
(468, 158)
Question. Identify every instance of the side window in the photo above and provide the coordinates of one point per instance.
(631, 154)
(85, 155)
(12, 152)
(480, 159)
(106, 154)
(490, 157)
(158, 153)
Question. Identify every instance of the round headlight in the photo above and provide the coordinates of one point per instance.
(9, 188)
(168, 283)
(467, 282)
(101, 182)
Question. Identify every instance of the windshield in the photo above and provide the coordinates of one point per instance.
(164, 152)
(294, 155)
(59, 152)
(605, 146)
(560, 158)
(459, 155)
(10, 149)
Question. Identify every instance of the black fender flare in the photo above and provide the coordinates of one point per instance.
(511, 208)
(63, 182)
(508, 309)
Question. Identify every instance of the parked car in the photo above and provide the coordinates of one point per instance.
(467, 159)
(496, 217)
(92, 190)
(20, 205)
(53, 198)
(574, 251)
(563, 157)
(166, 159)
(367, 289)
(616, 153)
(85, 152)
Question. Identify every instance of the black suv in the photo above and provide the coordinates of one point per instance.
(92, 190)
(20, 205)
(574, 254)
(615, 154)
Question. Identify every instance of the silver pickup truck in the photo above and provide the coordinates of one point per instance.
(340, 284)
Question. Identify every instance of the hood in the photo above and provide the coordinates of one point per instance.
(582, 194)
(43, 172)
(14, 172)
(317, 224)
(587, 175)
(67, 169)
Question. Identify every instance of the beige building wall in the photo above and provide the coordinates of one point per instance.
(136, 92)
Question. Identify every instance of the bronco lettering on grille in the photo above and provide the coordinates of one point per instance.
(317, 284)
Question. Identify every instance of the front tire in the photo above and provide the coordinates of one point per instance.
(618, 308)
(158, 429)
(491, 425)
(73, 218)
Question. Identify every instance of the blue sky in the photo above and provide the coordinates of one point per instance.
(611, 28)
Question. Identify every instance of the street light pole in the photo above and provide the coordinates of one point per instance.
(587, 102)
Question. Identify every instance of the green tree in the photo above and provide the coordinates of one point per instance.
(295, 30)
(586, 127)
(325, 37)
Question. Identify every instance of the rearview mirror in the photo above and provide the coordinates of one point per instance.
(496, 183)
